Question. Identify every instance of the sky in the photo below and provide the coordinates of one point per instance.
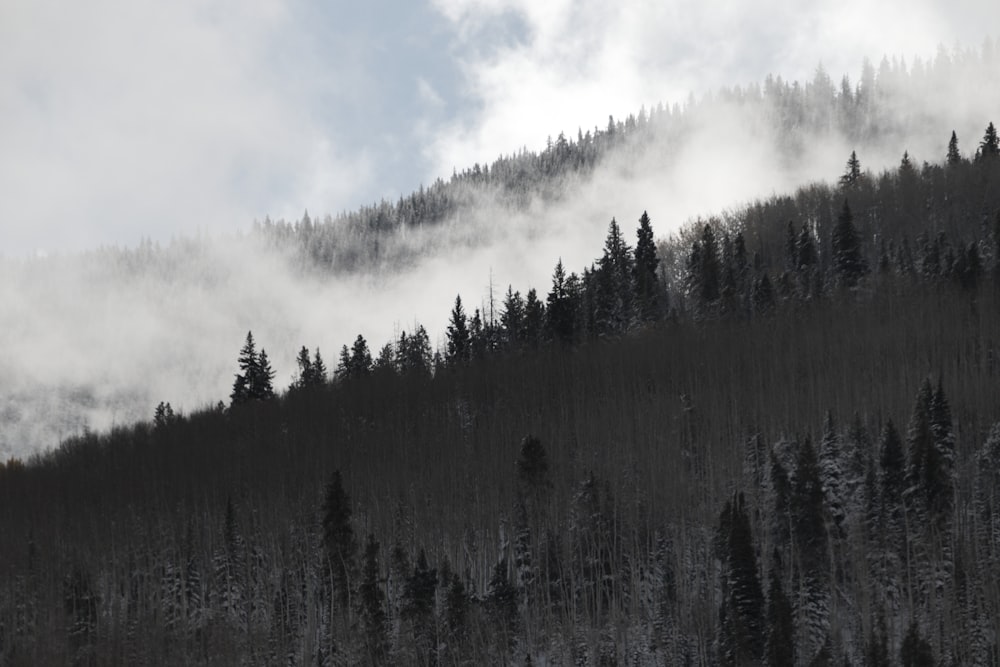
(127, 120)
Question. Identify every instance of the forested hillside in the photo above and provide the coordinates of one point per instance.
(767, 440)
(158, 321)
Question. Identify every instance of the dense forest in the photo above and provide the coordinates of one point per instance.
(772, 438)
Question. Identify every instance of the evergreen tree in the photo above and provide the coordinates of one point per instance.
(779, 648)
(561, 311)
(361, 358)
(989, 147)
(848, 263)
(512, 319)
(940, 479)
(644, 272)
(533, 465)
(922, 452)
(260, 382)
(805, 249)
(338, 538)
(458, 335)
(762, 296)
(248, 370)
(304, 362)
(373, 617)
(343, 369)
(501, 604)
(954, 157)
(534, 319)
(418, 607)
(831, 475)
(742, 639)
(613, 305)
(852, 175)
(413, 353)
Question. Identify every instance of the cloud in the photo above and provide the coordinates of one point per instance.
(130, 119)
(576, 61)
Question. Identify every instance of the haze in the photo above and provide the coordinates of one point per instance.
(133, 121)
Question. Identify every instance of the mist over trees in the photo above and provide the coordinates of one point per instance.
(771, 437)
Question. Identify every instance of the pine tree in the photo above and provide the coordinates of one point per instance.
(614, 306)
(810, 538)
(561, 311)
(512, 319)
(501, 604)
(805, 249)
(989, 147)
(373, 617)
(940, 479)
(249, 369)
(779, 649)
(534, 319)
(954, 157)
(831, 475)
(338, 538)
(742, 631)
(852, 175)
(644, 272)
(922, 452)
(848, 263)
(361, 358)
(418, 607)
(458, 336)
(260, 382)
(305, 374)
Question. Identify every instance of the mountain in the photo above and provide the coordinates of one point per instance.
(782, 444)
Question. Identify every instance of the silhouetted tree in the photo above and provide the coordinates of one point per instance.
(458, 335)
(644, 272)
(848, 263)
(954, 157)
(338, 538)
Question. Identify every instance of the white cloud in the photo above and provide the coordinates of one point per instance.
(142, 118)
(578, 61)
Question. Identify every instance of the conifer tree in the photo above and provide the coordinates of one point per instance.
(260, 383)
(613, 306)
(534, 319)
(954, 157)
(338, 538)
(940, 479)
(989, 147)
(742, 638)
(361, 358)
(831, 474)
(644, 272)
(852, 175)
(779, 647)
(304, 362)
(373, 617)
(512, 319)
(501, 604)
(248, 370)
(848, 263)
(418, 607)
(458, 335)
(561, 310)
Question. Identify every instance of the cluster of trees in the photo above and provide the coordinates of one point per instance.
(888, 102)
(714, 475)
(802, 249)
